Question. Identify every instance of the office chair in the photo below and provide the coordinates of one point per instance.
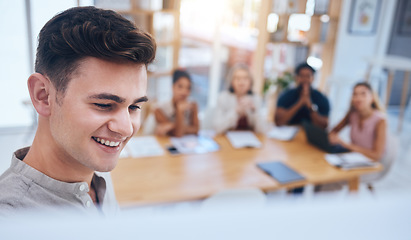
(387, 161)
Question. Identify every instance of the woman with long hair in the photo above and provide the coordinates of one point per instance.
(178, 117)
(368, 124)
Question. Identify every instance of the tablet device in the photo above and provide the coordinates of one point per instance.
(280, 172)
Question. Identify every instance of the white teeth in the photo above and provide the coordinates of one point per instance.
(107, 142)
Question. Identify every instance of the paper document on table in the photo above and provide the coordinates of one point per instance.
(194, 144)
(352, 160)
(243, 139)
(283, 133)
(145, 146)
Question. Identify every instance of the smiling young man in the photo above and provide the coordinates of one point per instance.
(88, 88)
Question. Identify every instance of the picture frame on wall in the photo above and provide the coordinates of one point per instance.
(364, 17)
(404, 27)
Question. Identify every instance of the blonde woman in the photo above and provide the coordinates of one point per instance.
(238, 108)
(368, 124)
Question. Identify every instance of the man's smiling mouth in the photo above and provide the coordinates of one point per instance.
(106, 142)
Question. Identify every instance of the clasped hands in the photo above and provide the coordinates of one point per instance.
(244, 104)
(305, 96)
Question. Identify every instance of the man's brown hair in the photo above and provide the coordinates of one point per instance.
(82, 32)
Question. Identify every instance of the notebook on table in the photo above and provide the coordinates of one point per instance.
(143, 146)
(243, 139)
(283, 133)
(280, 172)
(348, 161)
(193, 144)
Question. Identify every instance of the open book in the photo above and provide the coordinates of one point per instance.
(194, 144)
(243, 139)
(283, 133)
(143, 146)
(351, 160)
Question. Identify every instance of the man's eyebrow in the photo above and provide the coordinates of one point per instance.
(108, 96)
(115, 98)
(141, 99)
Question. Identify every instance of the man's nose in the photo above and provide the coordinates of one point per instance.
(122, 123)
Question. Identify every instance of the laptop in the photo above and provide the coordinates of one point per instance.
(319, 138)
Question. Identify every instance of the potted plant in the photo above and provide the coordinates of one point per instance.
(272, 88)
(279, 84)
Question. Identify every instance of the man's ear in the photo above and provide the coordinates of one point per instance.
(39, 89)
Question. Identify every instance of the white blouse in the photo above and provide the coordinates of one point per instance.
(225, 116)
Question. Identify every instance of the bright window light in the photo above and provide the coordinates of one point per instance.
(298, 25)
(299, 22)
(325, 18)
(309, 7)
(272, 22)
(314, 62)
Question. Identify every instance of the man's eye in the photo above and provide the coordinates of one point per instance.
(134, 107)
(103, 106)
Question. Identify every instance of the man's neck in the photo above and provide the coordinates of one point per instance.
(42, 157)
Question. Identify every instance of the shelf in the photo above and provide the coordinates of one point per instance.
(160, 18)
(318, 41)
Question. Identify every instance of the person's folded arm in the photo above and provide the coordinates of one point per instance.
(319, 111)
(225, 116)
(341, 124)
(195, 125)
(178, 130)
(282, 115)
(255, 118)
(163, 126)
(318, 119)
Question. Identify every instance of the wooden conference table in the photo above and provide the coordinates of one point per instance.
(168, 178)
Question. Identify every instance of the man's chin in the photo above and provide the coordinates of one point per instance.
(105, 168)
(106, 165)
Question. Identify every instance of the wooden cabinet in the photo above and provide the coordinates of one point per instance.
(162, 20)
(282, 47)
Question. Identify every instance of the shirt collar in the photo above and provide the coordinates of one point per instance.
(64, 189)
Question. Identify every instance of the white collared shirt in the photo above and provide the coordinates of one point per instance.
(25, 188)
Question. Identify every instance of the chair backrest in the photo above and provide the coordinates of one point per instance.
(206, 118)
(387, 161)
